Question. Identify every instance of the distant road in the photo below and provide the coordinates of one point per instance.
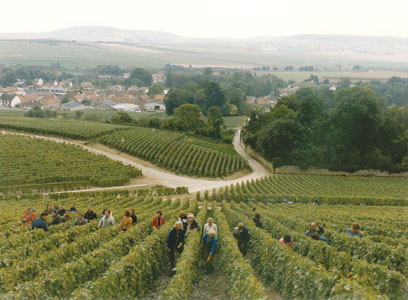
(153, 175)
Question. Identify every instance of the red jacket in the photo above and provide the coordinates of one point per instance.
(155, 222)
(29, 218)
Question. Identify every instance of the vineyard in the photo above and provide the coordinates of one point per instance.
(325, 189)
(84, 262)
(177, 152)
(29, 164)
(78, 129)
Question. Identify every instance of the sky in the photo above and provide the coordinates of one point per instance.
(212, 18)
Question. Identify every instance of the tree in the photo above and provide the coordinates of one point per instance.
(78, 114)
(121, 118)
(189, 115)
(236, 97)
(215, 121)
(156, 89)
(357, 118)
(140, 75)
(214, 96)
(175, 98)
(344, 83)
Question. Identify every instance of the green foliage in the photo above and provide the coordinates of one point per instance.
(139, 77)
(121, 118)
(156, 89)
(35, 164)
(37, 112)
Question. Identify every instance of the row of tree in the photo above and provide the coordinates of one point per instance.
(349, 130)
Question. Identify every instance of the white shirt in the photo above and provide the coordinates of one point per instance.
(208, 227)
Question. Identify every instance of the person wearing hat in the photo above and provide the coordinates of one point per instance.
(191, 224)
(241, 233)
(175, 241)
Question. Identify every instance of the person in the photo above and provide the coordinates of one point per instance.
(316, 202)
(257, 220)
(287, 240)
(191, 224)
(158, 220)
(103, 212)
(210, 225)
(133, 216)
(80, 220)
(66, 217)
(56, 206)
(40, 222)
(210, 245)
(107, 220)
(182, 217)
(175, 241)
(355, 230)
(28, 217)
(316, 234)
(56, 218)
(242, 235)
(90, 215)
(61, 211)
(48, 210)
(126, 221)
(73, 208)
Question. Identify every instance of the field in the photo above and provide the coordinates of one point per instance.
(29, 164)
(78, 129)
(325, 189)
(178, 152)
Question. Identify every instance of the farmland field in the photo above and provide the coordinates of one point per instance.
(66, 128)
(325, 189)
(34, 164)
(178, 152)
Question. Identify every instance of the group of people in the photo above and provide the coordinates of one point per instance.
(183, 227)
(61, 215)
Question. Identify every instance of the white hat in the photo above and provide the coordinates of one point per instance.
(190, 216)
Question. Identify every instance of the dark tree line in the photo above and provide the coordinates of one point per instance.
(348, 130)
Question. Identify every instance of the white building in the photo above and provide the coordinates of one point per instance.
(154, 107)
(127, 107)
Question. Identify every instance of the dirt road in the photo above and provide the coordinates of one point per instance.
(153, 175)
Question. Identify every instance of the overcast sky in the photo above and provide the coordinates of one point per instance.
(212, 18)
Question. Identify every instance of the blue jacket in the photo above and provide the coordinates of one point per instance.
(175, 237)
(39, 223)
(210, 243)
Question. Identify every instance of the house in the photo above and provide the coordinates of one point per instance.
(50, 101)
(38, 82)
(250, 99)
(133, 89)
(127, 107)
(107, 104)
(126, 75)
(31, 104)
(154, 107)
(72, 106)
(9, 100)
(159, 98)
(86, 85)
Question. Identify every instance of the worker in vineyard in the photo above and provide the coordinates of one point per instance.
(182, 217)
(90, 214)
(73, 208)
(104, 211)
(28, 217)
(355, 230)
(80, 220)
(40, 222)
(210, 225)
(210, 246)
(67, 216)
(158, 220)
(133, 216)
(126, 221)
(48, 210)
(56, 206)
(61, 211)
(107, 220)
(316, 234)
(191, 224)
(257, 221)
(175, 241)
(56, 218)
(287, 240)
(242, 235)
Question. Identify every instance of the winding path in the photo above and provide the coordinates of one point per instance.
(153, 175)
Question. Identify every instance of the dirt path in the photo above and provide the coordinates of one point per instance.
(153, 175)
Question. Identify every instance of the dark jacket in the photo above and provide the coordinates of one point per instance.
(175, 237)
(210, 243)
(61, 212)
(318, 231)
(56, 220)
(243, 236)
(81, 222)
(90, 215)
(39, 223)
(73, 209)
(194, 225)
(258, 223)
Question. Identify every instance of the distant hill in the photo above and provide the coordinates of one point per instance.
(93, 45)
